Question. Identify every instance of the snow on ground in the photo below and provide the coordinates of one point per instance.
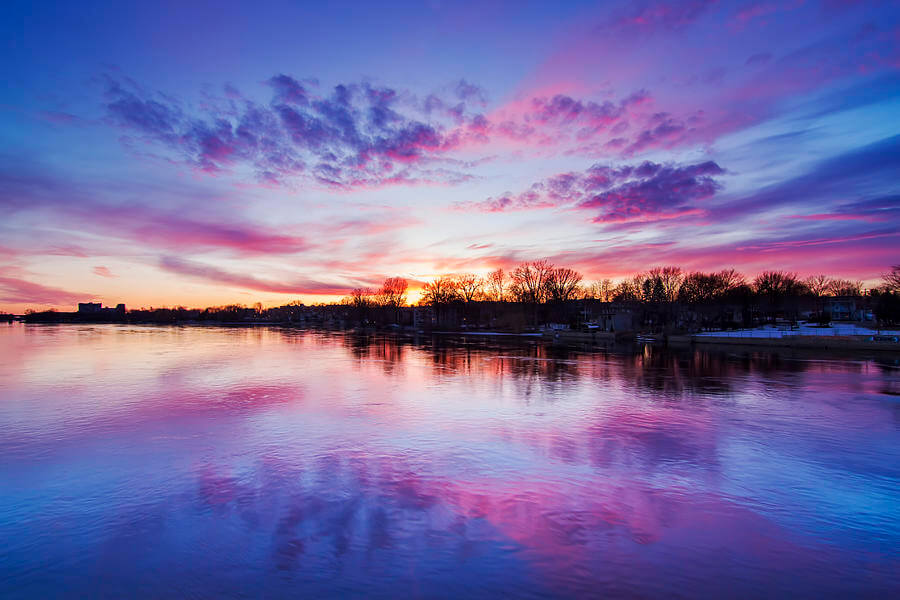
(780, 331)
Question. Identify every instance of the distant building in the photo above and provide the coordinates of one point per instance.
(96, 308)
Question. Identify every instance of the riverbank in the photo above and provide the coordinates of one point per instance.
(806, 342)
(601, 339)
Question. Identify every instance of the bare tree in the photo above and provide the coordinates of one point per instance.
(605, 290)
(698, 288)
(561, 284)
(600, 290)
(528, 281)
(393, 292)
(818, 285)
(442, 290)
(845, 287)
(730, 280)
(777, 284)
(628, 290)
(495, 285)
(892, 279)
(361, 297)
(665, 282)
(469, 286)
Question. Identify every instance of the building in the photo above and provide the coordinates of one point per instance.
(97, 309)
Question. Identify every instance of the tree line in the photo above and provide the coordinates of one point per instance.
(537, 292)
(539, 282)
(661, 296)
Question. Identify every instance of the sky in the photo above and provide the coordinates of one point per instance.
(196, 154)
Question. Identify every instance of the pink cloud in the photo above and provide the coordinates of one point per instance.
(213, 274)
(103, 272)
(21, 291)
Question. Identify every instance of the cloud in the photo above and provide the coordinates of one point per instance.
(21, 291)
(633, 193)
(656, 16)
(103, 271)
(174, 231)
(859, 182)
(664, 132)
(655, 192)
(358, 135)
(213, 274)
(196, 222)
(469, 91)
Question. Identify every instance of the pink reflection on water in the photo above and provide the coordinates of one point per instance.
(445, 467)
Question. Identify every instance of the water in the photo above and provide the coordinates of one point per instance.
(216, 463)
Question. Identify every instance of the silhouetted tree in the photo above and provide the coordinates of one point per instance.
(529, 281)
(361, 301)
(665, 283)
(600, 290)
(774, 287)
(892, 279)
(561, 284)
(777, 284)
(628, 290)
(845, 287)
(730, 280)
(818, 285)
(469, 286)
(442, 290)
(495, 285)
(392, 294)
(887, 307)
(699, 288)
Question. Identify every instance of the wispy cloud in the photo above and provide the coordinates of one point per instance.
(103, 271)
(212, 274)
(20, 291)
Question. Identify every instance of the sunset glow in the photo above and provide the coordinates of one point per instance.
(160, 154)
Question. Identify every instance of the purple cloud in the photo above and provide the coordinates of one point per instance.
(655, 192)
(467, 91)
(359, 135)
(627, 194)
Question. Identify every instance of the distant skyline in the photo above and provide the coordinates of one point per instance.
(161, 154)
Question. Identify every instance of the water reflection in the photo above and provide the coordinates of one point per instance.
(210, 462)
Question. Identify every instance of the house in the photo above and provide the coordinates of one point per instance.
(841, 309)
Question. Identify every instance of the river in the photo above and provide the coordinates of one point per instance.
(204, 462)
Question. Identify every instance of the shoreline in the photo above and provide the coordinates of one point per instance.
(806, 342)
(579, 339)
